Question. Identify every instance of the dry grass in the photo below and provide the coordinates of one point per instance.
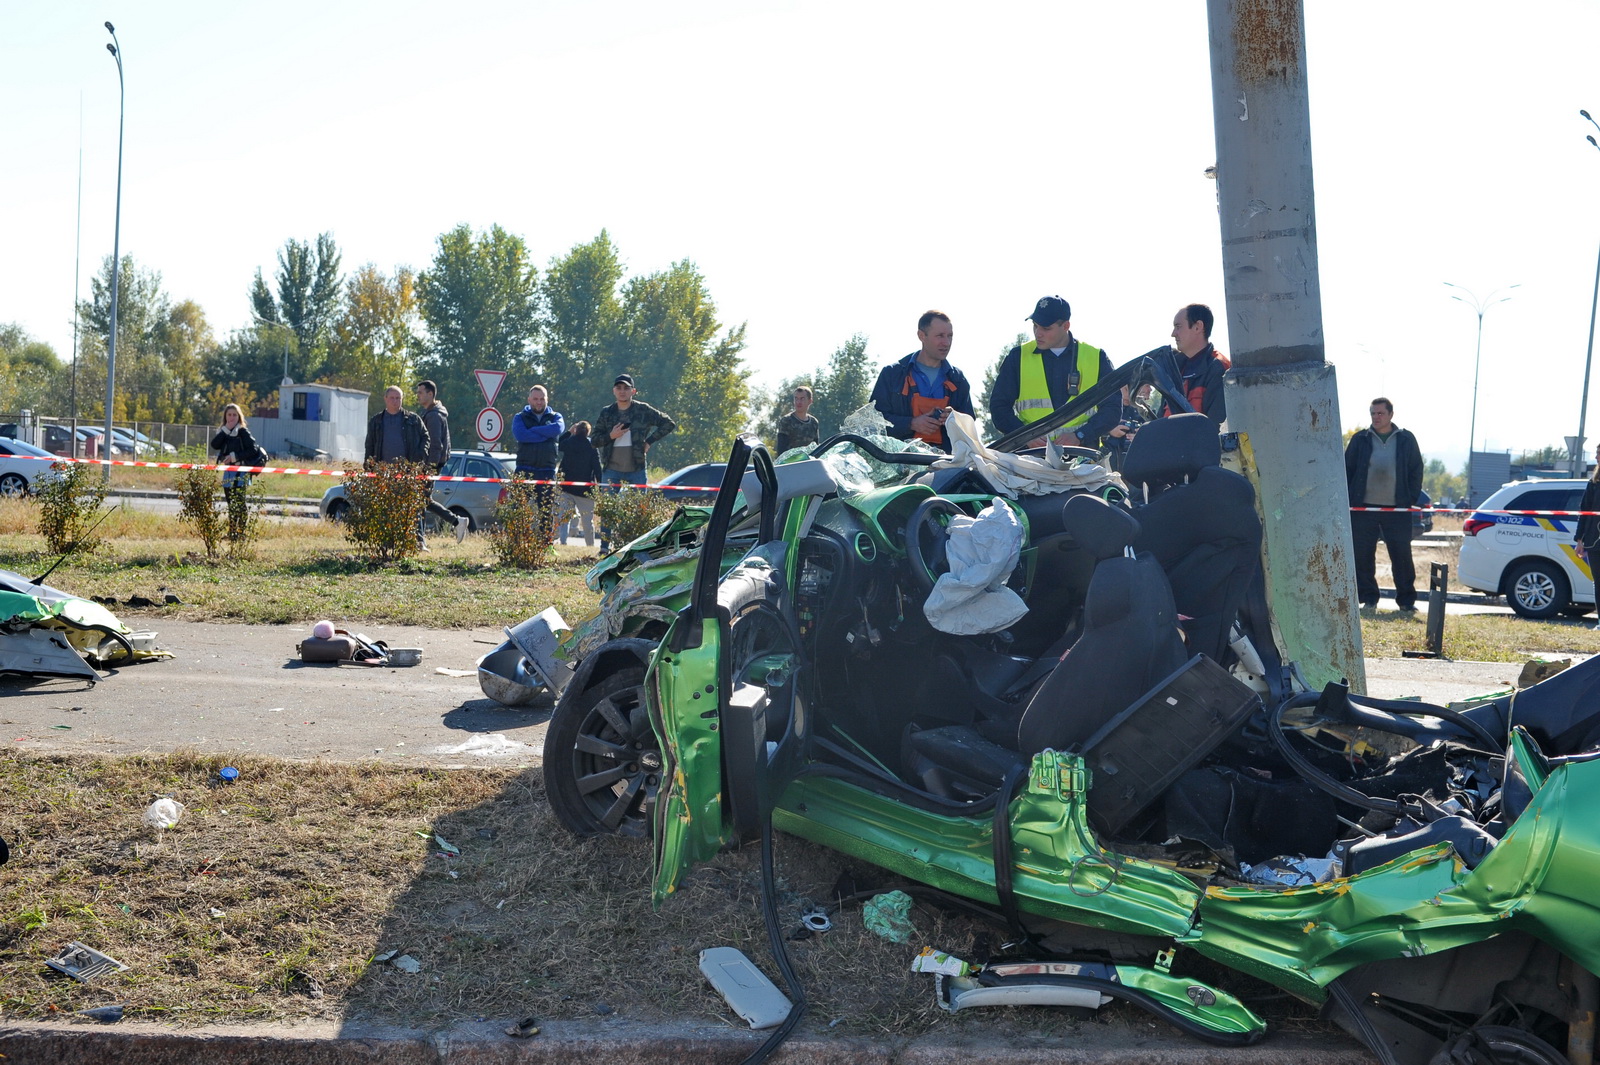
(298, 571)
(289, 882)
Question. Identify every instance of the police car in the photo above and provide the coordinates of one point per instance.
(1531, 559)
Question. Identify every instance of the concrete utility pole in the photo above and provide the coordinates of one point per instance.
(1281, 391)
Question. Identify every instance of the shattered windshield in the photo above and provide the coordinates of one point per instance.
(854, 470)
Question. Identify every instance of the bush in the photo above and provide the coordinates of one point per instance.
(235, 518)
(197, 506)
(68, 505)
(525, 527)
(386, 507)
(625, 514)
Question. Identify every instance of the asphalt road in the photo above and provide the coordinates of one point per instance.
(242, 688)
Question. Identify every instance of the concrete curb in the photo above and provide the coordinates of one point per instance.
(621, 1043)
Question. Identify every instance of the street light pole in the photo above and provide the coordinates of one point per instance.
(115, 48)
(1480, 306)
(1588, 359)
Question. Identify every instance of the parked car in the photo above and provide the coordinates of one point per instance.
(473, 500)
(23, 467)
(143, 444)
(121, 447)
(774, 662)
(1528, 558)
(677, 485)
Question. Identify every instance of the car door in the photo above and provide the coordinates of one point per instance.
(724, 688)
(444, 492)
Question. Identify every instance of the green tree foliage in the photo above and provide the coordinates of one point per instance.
(31, 375)
(1441, 484)
(375, 338)
(980, 397)
(581, 324)
(308, 300)
(480, 300)
(669, 342)
(164, 350)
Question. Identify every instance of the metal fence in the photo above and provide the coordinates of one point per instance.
(80, 437)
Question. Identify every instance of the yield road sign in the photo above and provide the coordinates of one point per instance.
(490, 424)
(489, 382)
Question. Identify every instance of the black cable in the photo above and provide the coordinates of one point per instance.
(769, 910)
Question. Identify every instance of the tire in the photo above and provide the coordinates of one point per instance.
(602, 766)
(13, 486)
(461, 513)
(1537, 590)
(337, 510)
(1505, 1045)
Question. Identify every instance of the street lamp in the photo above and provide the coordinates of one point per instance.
(1480, 306)
(115, 48)
(277, 325)
(1588, 359)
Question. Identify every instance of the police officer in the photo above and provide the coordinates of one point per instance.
(1048, 371)
(916, 394)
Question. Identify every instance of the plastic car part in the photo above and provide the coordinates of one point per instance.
(746, 988)
(84, 963)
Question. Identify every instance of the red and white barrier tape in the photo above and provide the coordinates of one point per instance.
(338, 473)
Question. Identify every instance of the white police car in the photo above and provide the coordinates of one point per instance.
(1531, 559)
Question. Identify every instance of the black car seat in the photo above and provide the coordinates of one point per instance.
(1200, 523)
(1129, 643)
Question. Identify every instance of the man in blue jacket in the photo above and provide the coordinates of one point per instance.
(916, 394)
(536, 429)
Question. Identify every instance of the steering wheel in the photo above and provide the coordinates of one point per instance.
(927, 538)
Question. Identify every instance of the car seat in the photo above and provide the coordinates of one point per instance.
(1200, 524)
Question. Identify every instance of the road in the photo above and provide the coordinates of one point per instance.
(167, 503)
(242, 689)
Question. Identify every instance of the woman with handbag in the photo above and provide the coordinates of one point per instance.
(235, 447)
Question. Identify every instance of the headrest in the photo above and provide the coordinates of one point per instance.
(1168, 450)
(1096, 526)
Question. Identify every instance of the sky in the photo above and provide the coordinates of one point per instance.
(836, 168)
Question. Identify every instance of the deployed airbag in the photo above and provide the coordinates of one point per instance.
(972, 598)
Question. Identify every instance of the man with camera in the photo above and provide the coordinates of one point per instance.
(917, 394)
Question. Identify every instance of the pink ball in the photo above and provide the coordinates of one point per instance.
(323, 630)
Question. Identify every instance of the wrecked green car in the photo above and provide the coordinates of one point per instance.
(1067, 705)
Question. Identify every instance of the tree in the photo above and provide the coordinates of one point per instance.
(31, 376)
(581, 324)
(307, 299)
(186, 343)
(986, 420)
(480, 300)
(669, 341)
(143, 317)
(1442, 485)
(375, 339)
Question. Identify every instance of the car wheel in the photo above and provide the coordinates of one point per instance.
(602, 766)
(13, 485)
(1537, 590)
(338, 510)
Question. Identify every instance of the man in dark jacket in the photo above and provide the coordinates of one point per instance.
(1195, 365)
(394, 434)
(1383, 468)
(916, 394)
(436, 419)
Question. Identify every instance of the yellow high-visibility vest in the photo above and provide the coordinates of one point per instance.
(1033, 393)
